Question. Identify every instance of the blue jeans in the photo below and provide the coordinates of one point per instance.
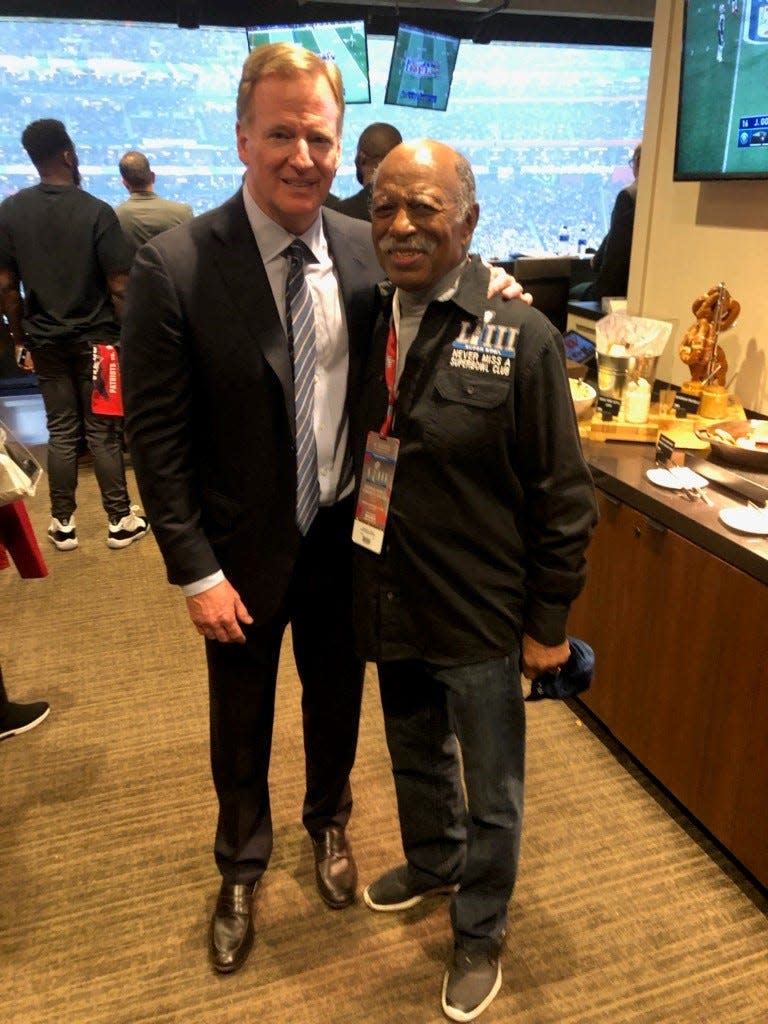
(439, 721)
(64, 371)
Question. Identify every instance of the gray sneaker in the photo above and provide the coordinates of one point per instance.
(396, 890)
(471, 983)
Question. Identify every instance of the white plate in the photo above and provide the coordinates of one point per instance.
(746, 520)
(675, 479)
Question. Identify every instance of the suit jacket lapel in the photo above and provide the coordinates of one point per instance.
(239, 263)
(352, 261)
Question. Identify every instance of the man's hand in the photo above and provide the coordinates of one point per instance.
(537, 658)
(504, 284)
(218, 612)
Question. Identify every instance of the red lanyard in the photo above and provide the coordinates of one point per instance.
(390, 375)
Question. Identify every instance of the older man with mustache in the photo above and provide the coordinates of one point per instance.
(474, 511)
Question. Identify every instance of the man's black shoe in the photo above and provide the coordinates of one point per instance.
(230, 936)
(19, 718)
(335, 868)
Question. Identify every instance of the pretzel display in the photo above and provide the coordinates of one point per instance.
(715, 312)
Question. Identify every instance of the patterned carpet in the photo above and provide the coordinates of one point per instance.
(623, 912)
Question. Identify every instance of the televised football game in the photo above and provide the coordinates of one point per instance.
(342, 42)
(723, 115)
(422, 67)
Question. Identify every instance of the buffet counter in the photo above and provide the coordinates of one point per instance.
(676, 609)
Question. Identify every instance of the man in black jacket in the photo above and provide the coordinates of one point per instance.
(466, 417)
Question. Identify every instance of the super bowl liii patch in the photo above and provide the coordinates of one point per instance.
(486, 348)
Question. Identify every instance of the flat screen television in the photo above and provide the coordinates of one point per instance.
(421, 69)
(344, 42)
(722, 120)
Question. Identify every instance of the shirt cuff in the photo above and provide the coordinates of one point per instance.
(193, 589)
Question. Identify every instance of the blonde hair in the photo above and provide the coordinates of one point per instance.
(286, 60)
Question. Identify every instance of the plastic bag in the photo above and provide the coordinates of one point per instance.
(19, 470)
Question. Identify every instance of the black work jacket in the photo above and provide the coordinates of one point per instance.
(492, 504)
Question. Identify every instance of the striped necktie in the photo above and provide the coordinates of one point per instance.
(300, 325)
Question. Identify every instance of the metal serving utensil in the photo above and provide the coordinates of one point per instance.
(692, 493)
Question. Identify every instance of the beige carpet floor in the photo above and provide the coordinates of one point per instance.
(624, 912)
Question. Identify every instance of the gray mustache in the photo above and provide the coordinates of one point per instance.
(416, 243)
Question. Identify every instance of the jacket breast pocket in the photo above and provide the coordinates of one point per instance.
(467, 412)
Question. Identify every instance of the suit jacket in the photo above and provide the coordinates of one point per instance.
(208, 395)
(611, 261)
(358, 205)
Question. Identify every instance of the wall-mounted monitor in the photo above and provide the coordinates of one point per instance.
(344, 42)
(722, 121)
(421, 69)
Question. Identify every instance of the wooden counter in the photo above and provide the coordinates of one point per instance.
(676, 608)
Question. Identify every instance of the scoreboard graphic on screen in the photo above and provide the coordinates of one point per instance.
(723, 111)
(343, 42)
(421, 70)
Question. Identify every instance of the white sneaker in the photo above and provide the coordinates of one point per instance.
(62, 533)
(126, 530)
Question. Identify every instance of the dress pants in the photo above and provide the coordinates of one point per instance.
(3, 696)
(438, 721)
(242, 679)
(65, 373)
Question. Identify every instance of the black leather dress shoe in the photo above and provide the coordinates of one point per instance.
(335, 868)
(231, 933)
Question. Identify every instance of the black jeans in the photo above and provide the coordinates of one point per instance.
(64, 370)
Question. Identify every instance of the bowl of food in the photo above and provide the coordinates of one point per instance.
(738, 442)
(583, 395)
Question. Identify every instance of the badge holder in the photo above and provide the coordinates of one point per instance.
(375, 491)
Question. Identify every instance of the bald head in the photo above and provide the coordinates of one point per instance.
(373, 145)
(636, 159)
(136, 172)
(424, 212)
(423, 153)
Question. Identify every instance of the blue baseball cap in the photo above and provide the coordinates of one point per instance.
(571, 678)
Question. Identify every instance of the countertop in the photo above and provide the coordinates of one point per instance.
(619, 469)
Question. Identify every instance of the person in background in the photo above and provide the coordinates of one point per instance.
(66, 249)
(611, 261)
(145, 214)
(244, 335)
(17, 718)
(373, 145)
(491, 509)
(19, 543)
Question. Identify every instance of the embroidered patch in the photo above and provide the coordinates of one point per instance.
(486, 348)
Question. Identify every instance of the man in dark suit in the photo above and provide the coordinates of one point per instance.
(373, 145)
(209, 396)
(611, 261)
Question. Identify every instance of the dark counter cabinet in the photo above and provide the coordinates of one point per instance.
(681, 642)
